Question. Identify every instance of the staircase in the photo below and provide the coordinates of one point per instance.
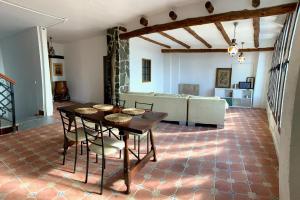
(7, 105)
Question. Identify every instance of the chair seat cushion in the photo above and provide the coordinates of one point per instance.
(81, 135)
(111, 145)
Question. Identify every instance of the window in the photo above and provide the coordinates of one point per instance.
(146, 71)
(279, 67)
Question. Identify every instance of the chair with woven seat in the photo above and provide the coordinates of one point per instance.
(72, 134)
(100, 145)
(139, 137)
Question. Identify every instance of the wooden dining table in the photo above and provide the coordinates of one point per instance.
(138, 124)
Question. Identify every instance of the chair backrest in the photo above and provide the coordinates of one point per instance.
(94, 133)
(146, 106)
(69, 123)
(118, 102)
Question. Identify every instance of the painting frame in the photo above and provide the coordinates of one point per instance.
(223, 77)
(58, 69)
(252, 81)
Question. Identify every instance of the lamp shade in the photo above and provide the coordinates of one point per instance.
(233, 49)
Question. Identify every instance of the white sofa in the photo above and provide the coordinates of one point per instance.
(182, 108)
(207, 110)
(174, 105)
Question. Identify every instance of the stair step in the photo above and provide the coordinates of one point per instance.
(6, 126)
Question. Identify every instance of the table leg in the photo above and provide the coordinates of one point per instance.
(127, 173)
(152, 145)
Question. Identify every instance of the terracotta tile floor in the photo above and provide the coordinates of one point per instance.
(237, 162)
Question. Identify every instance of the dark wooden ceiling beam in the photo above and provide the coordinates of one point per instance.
(256, 28)
(154, 42)
(229, 16)
(255, 3)
(198, 37)
(144, 21)
(209, 7)
(173, 15)
(174, 39)
(213, 50)
(223, 32)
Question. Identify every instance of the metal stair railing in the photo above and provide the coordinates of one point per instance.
(7, 100)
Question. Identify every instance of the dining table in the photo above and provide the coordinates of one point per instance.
(138, 125)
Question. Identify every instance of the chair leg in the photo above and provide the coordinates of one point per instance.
(102, 174)
(65, 151)
(81, 148)
(120, 156)
(87, 165)
(134, 142)
(148, 143)
(75, 162)
(139, 146)
(96, 158)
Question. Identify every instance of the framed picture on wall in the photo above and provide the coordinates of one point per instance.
(252, 81)
(245, 85)
(223, 77)
(58, 69)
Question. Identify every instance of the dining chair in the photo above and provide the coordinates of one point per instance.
(139, 137)
(72, 134)
(100, 145)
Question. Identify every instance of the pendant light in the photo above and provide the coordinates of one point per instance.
(241, 57)
(233, 49)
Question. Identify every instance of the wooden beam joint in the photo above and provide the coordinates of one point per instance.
(173, 15)
(144, 21)
(209, 7)
(255, 3)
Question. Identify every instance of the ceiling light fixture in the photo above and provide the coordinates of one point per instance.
(241, 57)
(233, 49)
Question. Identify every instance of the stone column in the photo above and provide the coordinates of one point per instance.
(118, 55)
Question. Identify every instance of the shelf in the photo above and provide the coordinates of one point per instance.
(236, 97)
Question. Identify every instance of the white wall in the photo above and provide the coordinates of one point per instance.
(262, 79)
(45, 72)
(200, 68)
(59, 49)
(84, 69)
(140, 49)
(21, 60)
(1, 62)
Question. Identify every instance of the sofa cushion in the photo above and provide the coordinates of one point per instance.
(141, 93)
(171, 95)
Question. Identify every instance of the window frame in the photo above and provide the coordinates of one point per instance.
(146, 70)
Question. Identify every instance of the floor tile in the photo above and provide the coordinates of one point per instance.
(202, 163)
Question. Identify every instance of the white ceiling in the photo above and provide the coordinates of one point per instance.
(87, 18)
(270, 28)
